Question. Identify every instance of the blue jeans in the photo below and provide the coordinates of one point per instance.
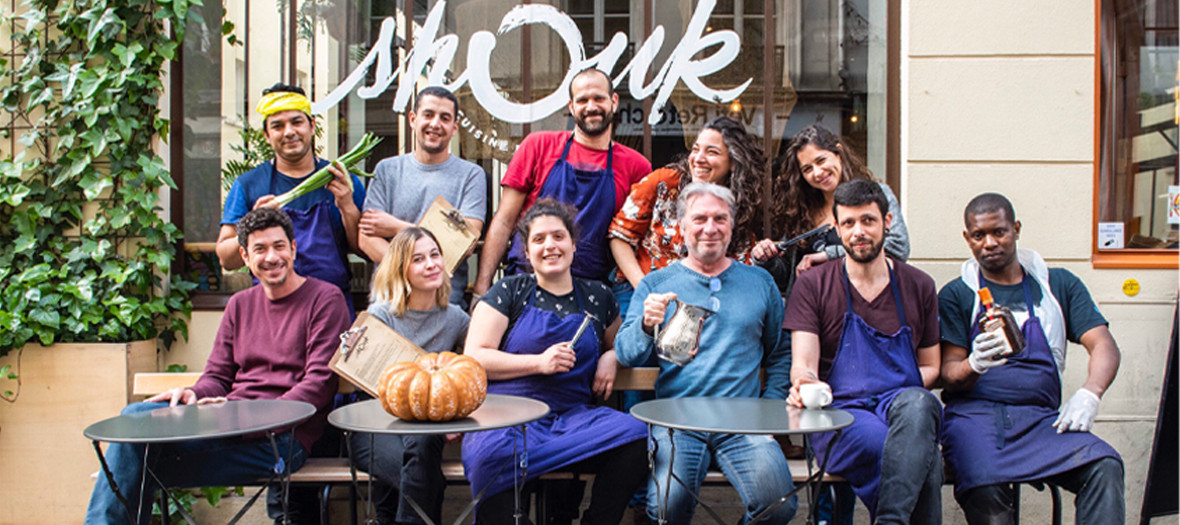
(409, 465)
(623, 292)
(210, 462)
(754, 465)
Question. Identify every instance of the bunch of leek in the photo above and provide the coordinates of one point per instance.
(351, 161)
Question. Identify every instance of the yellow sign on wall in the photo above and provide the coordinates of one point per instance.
(1131, 287)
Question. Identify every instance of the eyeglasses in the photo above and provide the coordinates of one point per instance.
(714, 287)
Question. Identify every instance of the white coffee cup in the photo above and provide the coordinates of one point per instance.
(815, 395)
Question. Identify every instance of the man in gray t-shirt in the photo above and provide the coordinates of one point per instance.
(405, 185)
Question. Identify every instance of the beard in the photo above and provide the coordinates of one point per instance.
(594, 130)
(866, 255)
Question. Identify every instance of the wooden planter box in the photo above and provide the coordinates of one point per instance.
(45, 460)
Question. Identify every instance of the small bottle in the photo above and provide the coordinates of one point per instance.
(997, 318)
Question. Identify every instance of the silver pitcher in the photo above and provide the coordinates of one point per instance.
(679, 341)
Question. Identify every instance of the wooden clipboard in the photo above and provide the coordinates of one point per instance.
(448, 225)
(367, 349)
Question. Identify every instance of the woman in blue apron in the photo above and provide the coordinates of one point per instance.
(1001, 431)
(592, 193)
(521, 332)
(872, 370)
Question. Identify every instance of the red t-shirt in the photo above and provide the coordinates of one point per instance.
(817, 306)
(539, 151)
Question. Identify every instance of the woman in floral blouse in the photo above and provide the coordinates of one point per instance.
(644, 235)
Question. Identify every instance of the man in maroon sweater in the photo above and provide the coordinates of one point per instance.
(274, 342)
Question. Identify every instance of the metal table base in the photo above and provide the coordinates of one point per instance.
(198, 422)
(498, 411)
(737, 416)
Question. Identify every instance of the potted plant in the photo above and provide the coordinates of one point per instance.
(86, 285)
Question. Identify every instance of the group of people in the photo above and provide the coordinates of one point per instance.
(590, 232)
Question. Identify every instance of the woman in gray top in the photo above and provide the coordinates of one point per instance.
(410, 294)
(816, 161)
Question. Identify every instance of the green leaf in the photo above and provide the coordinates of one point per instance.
(71, 80)
(104, 24)
(45, 95)
(93, 185)
(166, 49)
(47, 318)
(15, 194)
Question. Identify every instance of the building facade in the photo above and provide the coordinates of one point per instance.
(1068, 108)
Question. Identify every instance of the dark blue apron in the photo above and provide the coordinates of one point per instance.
(592, 192)
(1001, 431)
(574, 429)
(870, 369)
(317, 250)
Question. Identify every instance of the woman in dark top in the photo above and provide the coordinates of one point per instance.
(521, 332)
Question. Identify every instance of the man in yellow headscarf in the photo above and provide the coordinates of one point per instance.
(325, 220)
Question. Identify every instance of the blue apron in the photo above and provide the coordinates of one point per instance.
(1001, 431)
(870, 369)
(574, 429)
(592, 192)
(318, 253)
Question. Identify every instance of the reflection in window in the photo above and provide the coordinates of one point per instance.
(826, 61)
(1138, 156)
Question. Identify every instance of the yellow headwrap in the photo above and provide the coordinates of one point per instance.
(283, 101)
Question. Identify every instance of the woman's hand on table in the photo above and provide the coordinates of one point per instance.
(178, 395)
(211, 400)
(604, 377)
(557, 359)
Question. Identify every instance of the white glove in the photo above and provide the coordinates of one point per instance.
(984, 350)
(1078, 413)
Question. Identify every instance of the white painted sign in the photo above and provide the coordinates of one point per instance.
(1110, 236)
(1173, 204)
(681, 66)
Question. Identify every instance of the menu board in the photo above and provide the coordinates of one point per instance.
(455, 239)
(367, 349)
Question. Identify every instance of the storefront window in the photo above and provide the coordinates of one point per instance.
(1138, 193)
(776, 65)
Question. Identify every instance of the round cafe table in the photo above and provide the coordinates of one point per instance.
(737, 415)
(497, 411)
(171, 424)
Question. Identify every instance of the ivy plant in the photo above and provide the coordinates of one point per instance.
(85, 254)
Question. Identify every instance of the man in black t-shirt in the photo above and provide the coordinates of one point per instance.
(1002, 424)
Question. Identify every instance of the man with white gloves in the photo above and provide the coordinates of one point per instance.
(1004, 422)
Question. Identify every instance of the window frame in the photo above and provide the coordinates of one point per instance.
(1128, 258)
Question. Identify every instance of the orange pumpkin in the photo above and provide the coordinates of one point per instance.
(435, 387)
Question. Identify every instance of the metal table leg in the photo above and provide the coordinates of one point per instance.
(524, 471)
(106, 469)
